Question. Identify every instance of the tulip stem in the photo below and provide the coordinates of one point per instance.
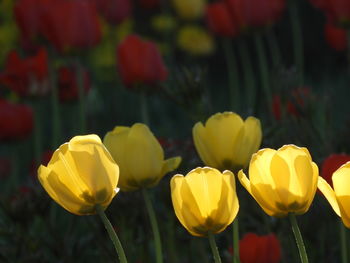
(248, 75)
(343, 240)
(154, 224)
(144, 108)
(264, 71)
(274, 48)
(56, 122)
(80, 83)
(232, 72)
(112, 234)
(235, 227)
(298, 238)
(214, 248)
(297, 40)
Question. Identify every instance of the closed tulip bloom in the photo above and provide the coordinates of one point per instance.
(139, 156)
(339, 196)
(81, 175)
(189, 9)
(220, 21)
(205, 200)
(336, 37)
(282, 181)
(226, 141)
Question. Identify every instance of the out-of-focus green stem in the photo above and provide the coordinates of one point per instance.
(348, 51)
(144, 108)
(112, 234)
(264, 71)
(81, 93)
(235, 228)
(38, 148)
(248, 75)
(214, 248)
(297, 39)
(298, 238)
(343, 241)
(56, 121)
(274, 48)
(154, 224)
(232, 73)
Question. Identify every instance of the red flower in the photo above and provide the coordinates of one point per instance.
(68, 88)
(259, 249)
(256, 13)
(220, 20)
(16, 121)
(336, 37)
(27, 76)
(338, 11)
(114, 11)
(140, 62)
(331, 164)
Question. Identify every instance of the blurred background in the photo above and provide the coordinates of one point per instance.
(72, 67)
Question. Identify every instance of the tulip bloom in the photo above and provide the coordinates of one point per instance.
(339, 198)
(336, 37)
(282, 181)
(220, 21)
(189, 9)
(16, 121)
(139, 156)
(114, 11)
(204, 200)
(226, 141)
(81, 175)
(259, 249)
(140, 62)
(26, 76)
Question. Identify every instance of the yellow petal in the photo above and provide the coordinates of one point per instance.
(328, 192)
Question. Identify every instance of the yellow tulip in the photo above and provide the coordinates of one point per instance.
(195, 40)
(139, 155)
(80, 175)
(339, 198)
(205, 200)
(282, 181)
(226, 141)
(189, 9)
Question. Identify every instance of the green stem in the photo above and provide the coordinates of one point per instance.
(297, 40)
(298, 238)
(343, 240)
(275, 50)
(264, 71)
(154, 224)
(348, 42)
(37, 133)
(144, 108)
(112, 234)
(248, 75)
(232, 72)
(235, 228)
(82, 113)
(56, 122)
(214, 248)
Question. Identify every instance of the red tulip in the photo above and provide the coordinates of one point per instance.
(220, 20)
(27, 76)
(140, 62)
(256, 13)
(331, 164)
(114, 11)
(16, 120)
(338, 11)
(68, 88)
(336, 37)
(259, 249)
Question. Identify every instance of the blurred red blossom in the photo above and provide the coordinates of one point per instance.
(259, 249)
(16, 120)
(331, 164)
(256, 13)
(220, 21)
(65, 24)
(140, 62)
(114, 11)
(26, 76)
(335, 37)
(68, 89)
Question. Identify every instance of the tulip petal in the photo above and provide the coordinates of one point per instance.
(328, 192)
(171, 164)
